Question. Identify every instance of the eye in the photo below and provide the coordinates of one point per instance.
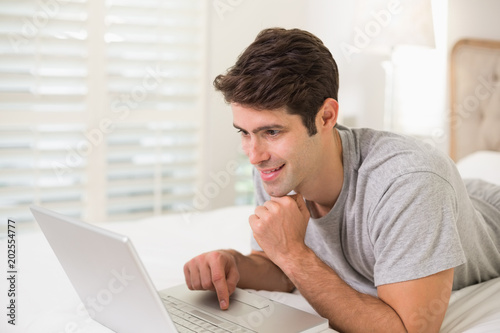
(272, 132)
(242, 132)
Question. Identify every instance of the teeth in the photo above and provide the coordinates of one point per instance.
(271, 170)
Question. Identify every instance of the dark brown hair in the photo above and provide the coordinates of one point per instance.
(283, 68)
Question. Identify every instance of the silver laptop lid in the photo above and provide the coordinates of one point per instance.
(106, 273)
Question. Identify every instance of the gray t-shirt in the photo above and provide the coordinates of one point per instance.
(404, 213)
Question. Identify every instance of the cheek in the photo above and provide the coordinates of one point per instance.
(306, 154)
(292, 154)
(284, 151)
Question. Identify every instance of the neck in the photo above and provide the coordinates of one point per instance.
(329, 180)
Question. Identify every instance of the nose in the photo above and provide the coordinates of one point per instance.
(256, 151)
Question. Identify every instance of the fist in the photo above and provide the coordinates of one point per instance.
(279, 226)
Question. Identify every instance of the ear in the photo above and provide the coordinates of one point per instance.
(327, 115)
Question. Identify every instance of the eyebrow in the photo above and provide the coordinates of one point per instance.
(262, 128)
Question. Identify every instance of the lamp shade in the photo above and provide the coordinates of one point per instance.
(380, 25)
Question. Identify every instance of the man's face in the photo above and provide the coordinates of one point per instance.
(278, 145)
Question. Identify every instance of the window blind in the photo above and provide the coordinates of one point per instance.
(100, 106)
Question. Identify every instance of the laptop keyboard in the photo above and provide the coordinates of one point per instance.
(188, 319)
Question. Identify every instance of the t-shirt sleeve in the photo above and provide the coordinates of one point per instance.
(414, 230)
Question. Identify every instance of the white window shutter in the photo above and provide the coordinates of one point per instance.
(101, 106)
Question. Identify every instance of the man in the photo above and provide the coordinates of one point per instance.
(373, 229)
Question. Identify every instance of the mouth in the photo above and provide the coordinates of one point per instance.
(270, 174)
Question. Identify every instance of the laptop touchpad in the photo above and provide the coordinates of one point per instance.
(236, 308)
(240, 303)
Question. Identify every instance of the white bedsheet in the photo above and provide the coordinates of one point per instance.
(46, 301)
(481, 164)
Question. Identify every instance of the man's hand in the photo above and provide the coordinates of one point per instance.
(215, 271)
(279, 226)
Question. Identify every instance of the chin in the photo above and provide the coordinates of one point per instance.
(276, 192)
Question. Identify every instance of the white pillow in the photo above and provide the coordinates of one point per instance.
(481, 164)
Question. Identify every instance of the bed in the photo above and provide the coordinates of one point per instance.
(46, 301)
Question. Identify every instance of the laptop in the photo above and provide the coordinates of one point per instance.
(117, 292)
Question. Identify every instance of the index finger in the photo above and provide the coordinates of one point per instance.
(220, 284)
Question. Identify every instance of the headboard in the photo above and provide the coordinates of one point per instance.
(475, 97)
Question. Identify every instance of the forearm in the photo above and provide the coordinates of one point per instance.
(259, 273)
(345, 308)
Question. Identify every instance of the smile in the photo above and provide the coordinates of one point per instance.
(270, 174)
(273, 170)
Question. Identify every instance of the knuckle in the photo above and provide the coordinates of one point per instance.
(207, 285)
(289, 202)
(214, 257)
(218, 276)
(275, 204)
(193, 263)
(253, 219)
(196, 285)
(258, 211)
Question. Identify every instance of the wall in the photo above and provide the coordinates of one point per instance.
(361, 75)
(478, 18)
